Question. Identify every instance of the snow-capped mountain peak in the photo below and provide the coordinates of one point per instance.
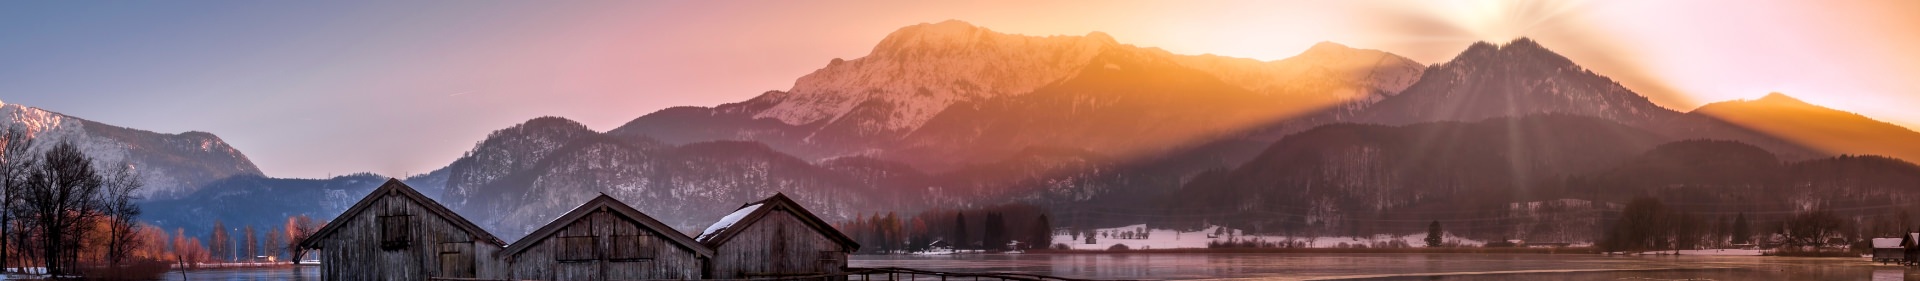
(921, 69)
(1518, 78)
(171, 164)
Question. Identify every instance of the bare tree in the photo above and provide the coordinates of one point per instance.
(299, 227)
(250, 245)
(272, 243)
(61, 195)
(121, 211)
(218, 241)
(15, 160)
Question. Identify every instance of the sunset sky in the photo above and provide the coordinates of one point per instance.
(308, 89)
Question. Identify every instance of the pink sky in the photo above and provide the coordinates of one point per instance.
(311, 89)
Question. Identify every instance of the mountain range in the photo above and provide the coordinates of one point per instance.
(1517, 139)
(172, 165)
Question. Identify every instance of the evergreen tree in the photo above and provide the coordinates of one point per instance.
(960, 241)
(890, 232)
(994, 236)
(1042, 234)
(1742, 233)
(1433, 234)
(1722, 231)
(875, 235)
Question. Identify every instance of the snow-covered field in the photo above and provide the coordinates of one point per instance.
(1174, 239)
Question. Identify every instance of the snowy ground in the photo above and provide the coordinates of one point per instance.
(1173, 239)
(34, 273)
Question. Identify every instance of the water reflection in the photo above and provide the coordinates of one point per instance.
(247, 274)
(1399, 266)
(1320, 266)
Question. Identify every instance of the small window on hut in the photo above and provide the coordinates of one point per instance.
(630, 248)
(576, 248)
(396, 231)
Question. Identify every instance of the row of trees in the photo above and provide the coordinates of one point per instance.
(992, 229)
(1647, 224)
(60, 211)
(55, 204)
(280, 242)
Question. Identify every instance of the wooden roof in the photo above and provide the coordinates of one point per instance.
(779, 202)
(604, 202)
(395, 187)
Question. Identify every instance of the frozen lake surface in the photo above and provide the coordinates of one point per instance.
(1330, 266)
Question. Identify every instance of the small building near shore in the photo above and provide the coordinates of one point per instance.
(774, 238)
(1889, 250)
(605, 239)
(395, 233)
(1911, 244)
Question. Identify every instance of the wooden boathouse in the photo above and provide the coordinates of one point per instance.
(605, 239)
(396, 233)
(776, 238)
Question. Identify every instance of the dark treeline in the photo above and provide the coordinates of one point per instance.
(261, 244)
(1576, 176)
(991, 229)
(1646, 224)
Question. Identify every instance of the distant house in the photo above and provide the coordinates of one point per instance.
(396, 233)
(940, 246)
(1889, 250)
(605, 239)
(775, 237)
(1911, 243)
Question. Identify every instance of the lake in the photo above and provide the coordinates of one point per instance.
(1331, 266)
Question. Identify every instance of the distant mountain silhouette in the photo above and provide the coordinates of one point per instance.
(1522, 78)
(1830, 130)
(1516, 79)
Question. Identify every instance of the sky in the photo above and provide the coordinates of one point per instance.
(318, 88)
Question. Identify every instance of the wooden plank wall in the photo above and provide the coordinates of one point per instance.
(753, 251)
(354, 252)
(539, 261)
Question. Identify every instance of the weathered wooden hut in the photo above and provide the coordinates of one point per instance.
(605, 239)
(396, 233)
(775, 237)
